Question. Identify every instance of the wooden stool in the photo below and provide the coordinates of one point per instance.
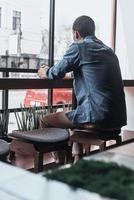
(44, 141)
(84, 138)
(4, 150)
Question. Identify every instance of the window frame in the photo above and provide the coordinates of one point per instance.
(16, 20)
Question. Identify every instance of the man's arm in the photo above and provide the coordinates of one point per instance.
(69, 62)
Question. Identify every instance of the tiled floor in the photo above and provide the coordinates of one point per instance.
(26, 162)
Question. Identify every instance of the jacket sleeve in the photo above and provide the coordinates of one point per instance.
(69, 62)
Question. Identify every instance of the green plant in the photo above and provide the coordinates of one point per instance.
(4, 120)
(29, 118)
(107, 179)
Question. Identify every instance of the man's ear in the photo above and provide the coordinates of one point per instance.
(78, 35)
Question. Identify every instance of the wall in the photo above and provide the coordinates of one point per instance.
(129, 92)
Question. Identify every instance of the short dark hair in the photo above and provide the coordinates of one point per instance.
(85, 25)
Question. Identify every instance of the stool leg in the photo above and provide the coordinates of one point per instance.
(87, 149)
(38, 162)
(68, 155)
(119, 140)
(77, 151)
(103, 146)
(3, 158)
(11, 155)
(61, 157)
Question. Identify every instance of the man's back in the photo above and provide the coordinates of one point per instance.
(98, 86)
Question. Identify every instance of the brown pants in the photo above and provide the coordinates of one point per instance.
(60, 120)
(57, 120)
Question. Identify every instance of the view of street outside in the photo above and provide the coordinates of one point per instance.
(24, 31)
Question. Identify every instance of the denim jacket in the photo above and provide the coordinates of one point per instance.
(97, 83)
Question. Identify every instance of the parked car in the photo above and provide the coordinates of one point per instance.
(40, 97)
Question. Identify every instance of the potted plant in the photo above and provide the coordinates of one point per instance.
(29, 119)
(4, 120)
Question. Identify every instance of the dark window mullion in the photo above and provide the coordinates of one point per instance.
(51, 47)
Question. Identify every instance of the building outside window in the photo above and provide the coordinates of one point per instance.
(16, 19)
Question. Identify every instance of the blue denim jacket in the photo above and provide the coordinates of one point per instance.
(97, 83)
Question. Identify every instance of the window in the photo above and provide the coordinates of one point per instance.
(16, 19)
(0, 17)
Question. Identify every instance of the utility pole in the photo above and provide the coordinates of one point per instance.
(19, 37)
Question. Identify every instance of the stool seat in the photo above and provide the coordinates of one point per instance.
(46, 135)
(43, 140)
(84, 138)
(4, 150)
(108, 132)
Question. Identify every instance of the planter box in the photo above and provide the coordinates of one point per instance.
(21, 147)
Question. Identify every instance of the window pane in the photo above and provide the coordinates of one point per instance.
(16, 20)
(66, 16)
(27, 98)
(67, 11)
(25, 29)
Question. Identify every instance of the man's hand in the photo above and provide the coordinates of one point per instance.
(42, 71)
